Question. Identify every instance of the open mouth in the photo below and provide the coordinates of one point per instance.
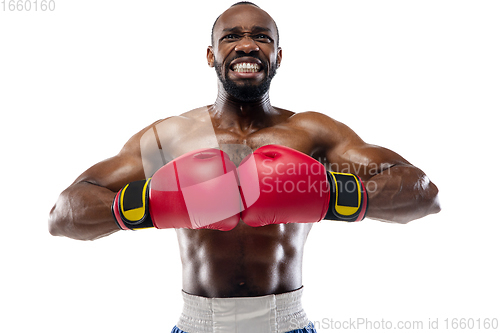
(246, 67)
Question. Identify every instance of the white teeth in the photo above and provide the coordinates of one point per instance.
(246, 67)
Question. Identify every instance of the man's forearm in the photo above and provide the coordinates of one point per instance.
(83, 212)
(401, 194)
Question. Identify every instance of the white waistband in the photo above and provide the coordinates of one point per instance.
(264, 314)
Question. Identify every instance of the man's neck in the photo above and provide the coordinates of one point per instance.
(246, 116)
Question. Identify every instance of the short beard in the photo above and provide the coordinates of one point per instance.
(247, 92)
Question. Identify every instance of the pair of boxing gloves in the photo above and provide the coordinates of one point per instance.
(203, 189)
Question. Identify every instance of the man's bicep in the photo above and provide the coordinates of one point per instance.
(351, 154)
(369, 160)
(113, 173)
(117, 171)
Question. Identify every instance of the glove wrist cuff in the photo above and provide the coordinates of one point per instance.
(131, 206)
(348, 197)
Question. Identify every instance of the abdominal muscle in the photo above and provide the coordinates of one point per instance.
(243, 262)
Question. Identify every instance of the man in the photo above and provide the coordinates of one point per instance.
(247, 277)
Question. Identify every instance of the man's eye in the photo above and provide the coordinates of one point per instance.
(263, 37)
(230, 36)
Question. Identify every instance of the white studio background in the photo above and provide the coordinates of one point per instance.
(418, 77)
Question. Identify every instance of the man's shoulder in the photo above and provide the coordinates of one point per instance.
(322, 127)
(171, 121)
(315, 122)
(312, 118)
(177, 122)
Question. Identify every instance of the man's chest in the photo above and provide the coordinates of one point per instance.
(170, 139)
(238, 145)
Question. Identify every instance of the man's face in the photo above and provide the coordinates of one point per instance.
(245, 52)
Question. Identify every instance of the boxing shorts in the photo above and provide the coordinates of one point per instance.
(281, 313)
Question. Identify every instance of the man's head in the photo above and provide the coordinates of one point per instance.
(245, 51)
(245, 3)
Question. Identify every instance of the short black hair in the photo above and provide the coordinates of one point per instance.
(244, 3)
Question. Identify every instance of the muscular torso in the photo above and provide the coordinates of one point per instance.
(242, 262)
(245, 261)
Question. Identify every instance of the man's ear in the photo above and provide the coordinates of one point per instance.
(210, 56)
(280, 55)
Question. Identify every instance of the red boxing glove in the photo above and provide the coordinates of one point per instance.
(198, 190)
(292, 187)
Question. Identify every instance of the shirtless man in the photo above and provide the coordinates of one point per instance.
(248, 278)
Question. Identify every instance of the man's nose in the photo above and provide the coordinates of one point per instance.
(246, 45)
